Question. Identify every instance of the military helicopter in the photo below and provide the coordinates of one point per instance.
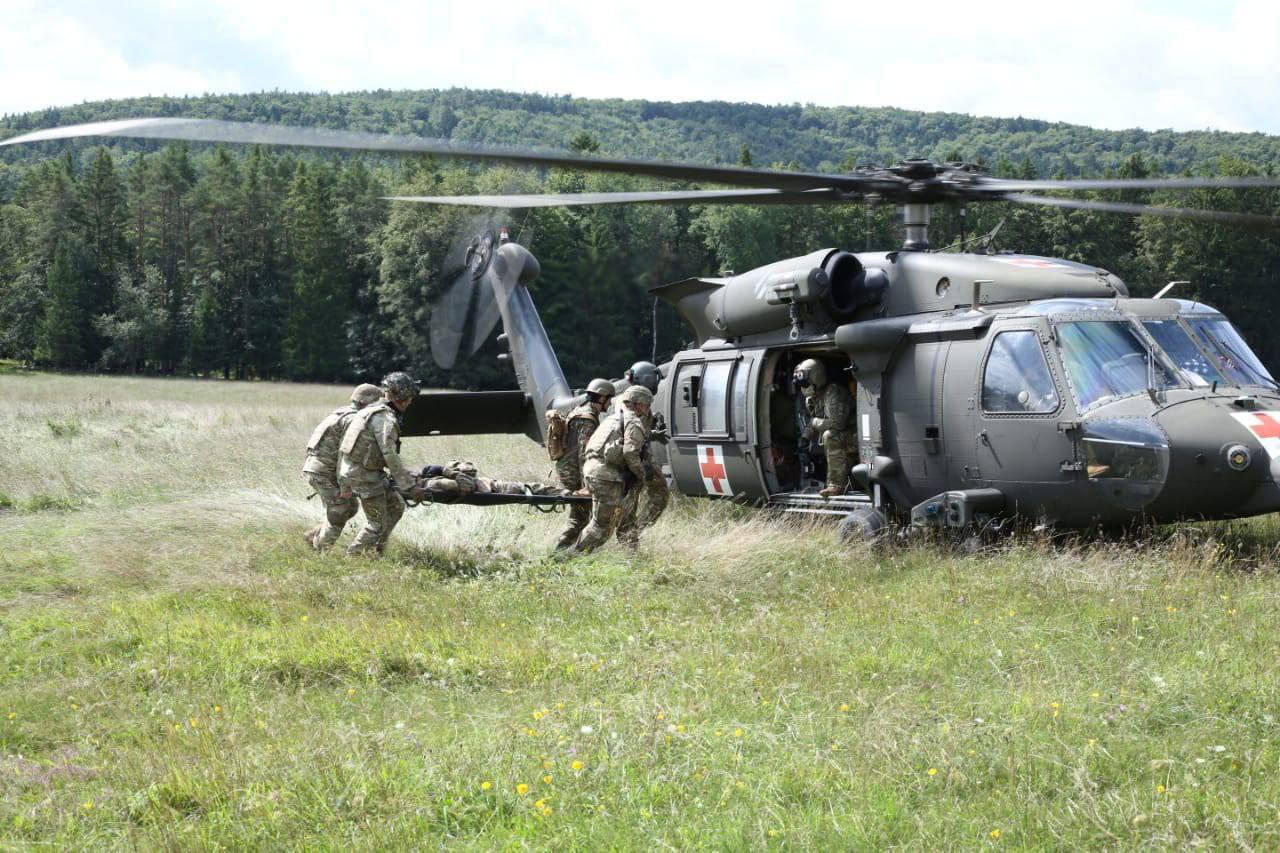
(988, 387)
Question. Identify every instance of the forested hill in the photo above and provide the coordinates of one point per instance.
(249, 262)
(704, 131)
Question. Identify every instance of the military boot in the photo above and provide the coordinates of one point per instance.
(837, 474)
(310, 535)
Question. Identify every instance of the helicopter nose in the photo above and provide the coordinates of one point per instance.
(1218, 461)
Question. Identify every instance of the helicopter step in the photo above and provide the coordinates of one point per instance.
(812, 503)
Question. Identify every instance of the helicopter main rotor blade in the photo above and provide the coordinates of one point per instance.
(1255, 220)
(1012, 185)
(745, 196)
(209, 130)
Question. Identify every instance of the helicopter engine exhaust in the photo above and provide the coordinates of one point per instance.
(822, 288)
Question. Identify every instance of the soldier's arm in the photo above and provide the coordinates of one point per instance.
(387, 434)
(634, 439)
(581, 434)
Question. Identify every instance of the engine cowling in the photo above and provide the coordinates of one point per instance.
(821, 290)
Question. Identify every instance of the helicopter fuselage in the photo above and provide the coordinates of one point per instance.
(1041, 392)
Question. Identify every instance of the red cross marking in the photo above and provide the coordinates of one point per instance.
(1267, 427)
(713, 469)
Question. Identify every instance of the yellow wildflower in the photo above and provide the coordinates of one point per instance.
(540, 804)
(933, 771)
(844, 707)
(546, 779)
(995, 833)
(484, 786)
(577, 765)
(1159, 789)
(737, 732)
(522, 789)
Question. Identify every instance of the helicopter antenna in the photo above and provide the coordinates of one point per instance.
(986, 241)
(1170, 286)
(653, 333)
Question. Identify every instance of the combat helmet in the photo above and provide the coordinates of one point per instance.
(810, 372)
(645, 373)
(400, 386)
(365, 395)
(601, 388)
(637, 394)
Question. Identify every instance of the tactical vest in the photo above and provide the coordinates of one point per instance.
(336, 417)
(606, 442)
(370, 456)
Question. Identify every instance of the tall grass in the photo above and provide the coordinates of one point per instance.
(179, 671)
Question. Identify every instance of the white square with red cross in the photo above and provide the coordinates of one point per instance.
(715, 477)
(1265, 427)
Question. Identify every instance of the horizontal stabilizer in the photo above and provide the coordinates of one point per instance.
(472, 413)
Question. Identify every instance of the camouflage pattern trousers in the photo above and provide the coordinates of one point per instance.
(383, 508)
(654, 494)
(606, 508)
(838, 445)
(579, 513)
(339, 508)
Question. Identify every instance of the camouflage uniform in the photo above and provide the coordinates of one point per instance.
(370, 449)
(321, 469)
(459, 479)
(582, 424)
(652, 487)
(614, 453)
(831, 413)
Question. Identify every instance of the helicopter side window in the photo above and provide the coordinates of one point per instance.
(1017, 377)
(713, 409)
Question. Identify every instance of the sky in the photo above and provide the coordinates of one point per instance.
(1173, 64)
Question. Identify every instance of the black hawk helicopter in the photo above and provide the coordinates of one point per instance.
(987, 387)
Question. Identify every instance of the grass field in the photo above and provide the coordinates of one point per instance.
(179, 671)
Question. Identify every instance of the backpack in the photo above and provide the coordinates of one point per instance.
(557, 431)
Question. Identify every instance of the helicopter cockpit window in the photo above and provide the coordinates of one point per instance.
(1188, 358)
(1232, 354)
(1106, 360)
(1017, 377)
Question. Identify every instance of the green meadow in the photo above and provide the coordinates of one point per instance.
(179, 671)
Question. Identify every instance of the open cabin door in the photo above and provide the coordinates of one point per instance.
(713, 425)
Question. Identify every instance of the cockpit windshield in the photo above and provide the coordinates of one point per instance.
(1232, 355)
(1106, 360)
(1177, 344)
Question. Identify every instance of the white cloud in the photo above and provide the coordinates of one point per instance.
(1107, 64)
(51, 58)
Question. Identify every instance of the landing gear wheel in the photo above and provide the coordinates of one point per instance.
(862, 525)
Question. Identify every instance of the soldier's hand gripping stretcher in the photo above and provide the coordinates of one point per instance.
(459, 482)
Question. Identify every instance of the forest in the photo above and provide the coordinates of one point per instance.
(176, 259)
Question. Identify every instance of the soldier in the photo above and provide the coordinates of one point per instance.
(644, 373)
(448, 483)
(581, 423)
(830, 407)
(370, 450)
(615, 454)
(321, 469)
(652, 488)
